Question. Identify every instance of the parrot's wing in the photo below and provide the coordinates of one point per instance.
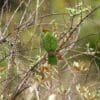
(49, 42)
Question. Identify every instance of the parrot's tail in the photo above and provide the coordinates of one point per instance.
(52, 59)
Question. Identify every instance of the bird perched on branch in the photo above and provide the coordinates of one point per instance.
(50, 45)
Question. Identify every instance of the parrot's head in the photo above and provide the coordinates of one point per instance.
(47, 31)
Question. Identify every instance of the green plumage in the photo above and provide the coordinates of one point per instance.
(50, 45)
(52, 60)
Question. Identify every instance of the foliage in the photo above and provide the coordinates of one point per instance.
(64, 61)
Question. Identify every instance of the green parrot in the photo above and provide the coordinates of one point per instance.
(50, 45)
